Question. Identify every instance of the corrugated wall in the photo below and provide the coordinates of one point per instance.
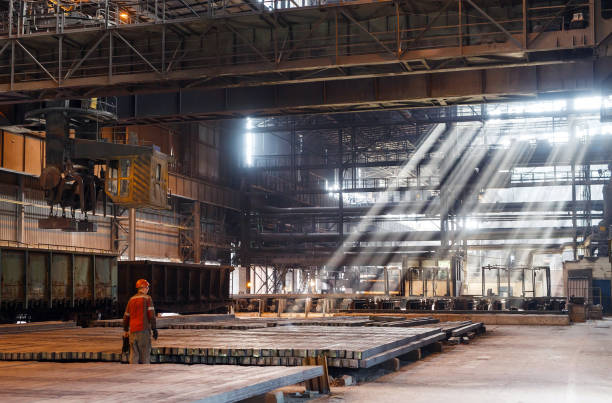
(36, 209)
(157, 235)
(156, 232)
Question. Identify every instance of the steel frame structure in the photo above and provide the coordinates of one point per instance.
(269, 58)
(285, 232)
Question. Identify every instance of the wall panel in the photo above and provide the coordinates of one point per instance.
(156, 236)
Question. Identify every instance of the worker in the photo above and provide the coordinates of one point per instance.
(139, 322)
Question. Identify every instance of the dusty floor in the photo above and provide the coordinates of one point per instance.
(509, 364)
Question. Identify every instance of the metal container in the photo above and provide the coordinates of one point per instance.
(178, 287)
(37, 284)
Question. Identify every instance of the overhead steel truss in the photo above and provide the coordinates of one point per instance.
(243, 57)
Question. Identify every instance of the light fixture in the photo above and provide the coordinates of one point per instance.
(123, 15)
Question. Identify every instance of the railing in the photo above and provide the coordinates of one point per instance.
(33, 16)
(332, 160)
(564, 176)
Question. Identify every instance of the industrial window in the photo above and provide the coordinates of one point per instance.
(606, 9)
(111, 181)
(125, 188)
(125, 168)
(119, 177)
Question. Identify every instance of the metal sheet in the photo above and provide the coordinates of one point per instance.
(13, 276)
(83, 277)
(38, 277)
(34, 155)
(105, 288)
(61, 277)
(157, 236)
(13, 151)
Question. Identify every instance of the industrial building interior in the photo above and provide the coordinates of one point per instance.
(332, 200)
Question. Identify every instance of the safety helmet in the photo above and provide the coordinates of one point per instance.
(142, 283)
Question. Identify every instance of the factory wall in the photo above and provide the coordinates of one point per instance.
(194, 147)
(157, 235)
(156, 232)
(34, 208)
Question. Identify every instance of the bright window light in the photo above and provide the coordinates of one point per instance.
(587, 103)
(249, 143)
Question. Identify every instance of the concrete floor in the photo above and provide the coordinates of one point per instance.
(509, 364)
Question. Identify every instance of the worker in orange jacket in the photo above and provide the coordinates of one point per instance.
(138, 322)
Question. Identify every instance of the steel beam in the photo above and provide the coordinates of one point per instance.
(457, 87)
(27, 52)
(118, 35)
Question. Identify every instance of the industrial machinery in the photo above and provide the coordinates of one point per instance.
(81, 171)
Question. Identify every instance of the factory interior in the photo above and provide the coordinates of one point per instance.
(328, 200)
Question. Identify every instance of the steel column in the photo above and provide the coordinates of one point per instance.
(20, 217)
(132, 234)
(197, 248)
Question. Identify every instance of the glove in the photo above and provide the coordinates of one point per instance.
(155, 334)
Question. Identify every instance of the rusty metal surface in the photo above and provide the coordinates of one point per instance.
(83, 277)
(38, 276)
(177, 287)
(61, 277)
(106, 278)
(13, 276)
(42, 284)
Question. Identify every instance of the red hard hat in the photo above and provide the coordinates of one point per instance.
(142, 283)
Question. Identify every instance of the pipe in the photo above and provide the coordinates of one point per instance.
(421, 207)
(482, 234)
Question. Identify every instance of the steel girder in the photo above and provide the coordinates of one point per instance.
(361, 55)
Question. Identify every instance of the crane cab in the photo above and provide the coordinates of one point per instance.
(138, 181)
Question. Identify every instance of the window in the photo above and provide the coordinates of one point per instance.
(111, 179)
(119, 177)
(125, 188)
(125, 168)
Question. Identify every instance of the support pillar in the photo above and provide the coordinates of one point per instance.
(197, 248)
(132, 234)
(340, 194)
(386, 271)
(20, 227)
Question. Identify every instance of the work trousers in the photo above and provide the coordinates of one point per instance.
(140, 347)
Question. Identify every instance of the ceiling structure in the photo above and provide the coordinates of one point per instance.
(239, 58)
